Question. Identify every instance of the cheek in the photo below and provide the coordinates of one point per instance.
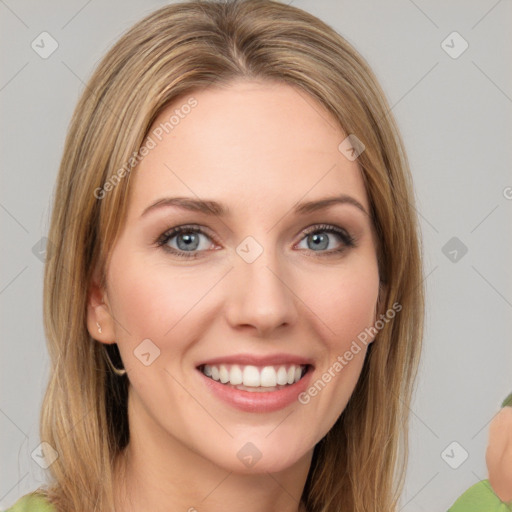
(353, 308)
(344, 301)
(149, 302)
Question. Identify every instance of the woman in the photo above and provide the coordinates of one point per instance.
(234, 308)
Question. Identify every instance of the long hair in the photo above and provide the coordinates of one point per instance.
(178, 49)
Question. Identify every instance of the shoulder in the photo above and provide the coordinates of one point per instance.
(32, 502)
(480, 497)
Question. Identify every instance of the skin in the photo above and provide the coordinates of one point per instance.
(499, 454)
(258, 148)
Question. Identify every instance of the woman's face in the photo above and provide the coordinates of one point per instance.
(261, 293)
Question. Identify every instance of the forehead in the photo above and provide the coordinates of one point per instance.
(247, 143)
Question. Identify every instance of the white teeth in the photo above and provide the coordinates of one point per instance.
(282, 376)
(251, 376)
(254, 377)
(235, 375)
(268, 377)
(223, 374)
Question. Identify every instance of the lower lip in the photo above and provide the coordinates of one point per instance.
(258, 401)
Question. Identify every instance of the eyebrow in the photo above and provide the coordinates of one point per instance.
(209, 207)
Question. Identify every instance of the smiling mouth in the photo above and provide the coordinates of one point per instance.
(255, 378)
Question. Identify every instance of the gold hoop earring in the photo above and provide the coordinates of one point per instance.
(118, 371)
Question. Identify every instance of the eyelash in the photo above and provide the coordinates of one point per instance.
(162, 240)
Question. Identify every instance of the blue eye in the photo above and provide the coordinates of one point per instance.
(188, 240)
(316, 234)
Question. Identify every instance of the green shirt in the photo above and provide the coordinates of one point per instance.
(31, 503)
(479, 498)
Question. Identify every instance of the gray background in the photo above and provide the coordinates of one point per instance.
(455, 117)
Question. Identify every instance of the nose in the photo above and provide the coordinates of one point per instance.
(261, 295)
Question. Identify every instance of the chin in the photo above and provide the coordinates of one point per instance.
(253, 454)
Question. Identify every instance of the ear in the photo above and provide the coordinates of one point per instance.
(98, 312)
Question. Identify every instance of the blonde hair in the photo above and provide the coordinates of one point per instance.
(182, 47)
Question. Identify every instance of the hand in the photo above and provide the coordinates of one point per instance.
(499, 454)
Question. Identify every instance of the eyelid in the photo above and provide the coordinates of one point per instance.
(347, 237)
(194, 228)
(348, 240)
(330, 228)
(200, 228)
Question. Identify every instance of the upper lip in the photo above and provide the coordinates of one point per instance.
(258, 360)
